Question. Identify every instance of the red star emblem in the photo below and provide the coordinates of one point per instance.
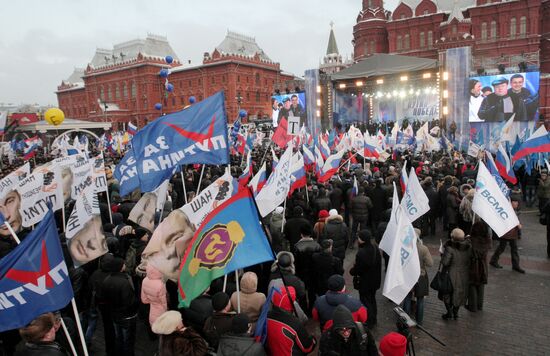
(32, 276)
(196, 136)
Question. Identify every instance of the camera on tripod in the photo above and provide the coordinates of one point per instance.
(403, 323)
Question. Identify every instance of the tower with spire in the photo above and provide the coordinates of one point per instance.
(332, 61)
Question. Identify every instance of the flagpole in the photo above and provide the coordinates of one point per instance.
(63, 214)
(265, 153)
(12, 232)
(346, 161)
(68, 337)
(238, 296)
(183, 184)
(109, 206)
(200, 179)
(79, 327)
(224, 282)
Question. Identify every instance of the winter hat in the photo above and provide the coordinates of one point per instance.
(249, 282)
(393, 344)
(306, 230)
(279, 210)
(220, 301)
(336, 283)
(333, 212)
(325, 244)
(364, 235)
(280, 298)
(167, 323)
(140, 232)
(342, 318)
(285, 260)
(323, 214)
(111, 263)
(239, 323)
(121, 230)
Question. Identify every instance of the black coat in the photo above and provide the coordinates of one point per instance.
(336, 229)
(368, 266)
(379, 200)
(360, 206)
(336, 198)
(303, 252)
(120, 296)
(292, 229)
(324, 265)
(41, 349)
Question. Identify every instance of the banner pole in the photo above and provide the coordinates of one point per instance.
(68, 337)
(238, 295)
(79, 327)
(109, 206)
(183, 184)
(224, 283)
(346, 161)
(63, 216)
(12, 232)
(200, 179)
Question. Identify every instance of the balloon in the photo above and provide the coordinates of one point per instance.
(169, 87)
(158, 106)
(54, 116)
(242, 113)
(164, 73)
(192, 99)
(169, 59)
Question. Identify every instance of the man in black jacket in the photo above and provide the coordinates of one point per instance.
(360, 206)
(294, 225)
(324, 265)
(118, 291)
(303, 252)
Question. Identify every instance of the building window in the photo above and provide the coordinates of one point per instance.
(422, 40)
(257, 78)
(399, 43)
(124, 91)
(425, 12)
(372, 47)
(145, 104)
(247, 96)
(213, 80)
(133, 89)
(430, 39)
(258, 96)
(182, 100)
(493, 29)
(370, 3)
(513, 27)
(454, 30)
(117, 92)
(109, 93)
(101, 94)
(523, 26)
(407, 43)
(238, 79)
(484, 31)
(402, 16)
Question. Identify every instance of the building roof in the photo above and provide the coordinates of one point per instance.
(332, 47)
(76, 77)
(442, 5)
(237, 44)
(384, 64)
(67, 124)
(151, 46)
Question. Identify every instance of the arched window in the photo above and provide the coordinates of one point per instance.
(454, 30)
(407, 43)
(117, 92)
(399, 44)
(493, 29)
(109, 93)
(257, 78)
(523, 26)
(422, 40)
(372, 47)
(101, 94)
(513, 27)
(484, 31)
(430, 39)
(257, 96)
(124, 90)
(133, 89)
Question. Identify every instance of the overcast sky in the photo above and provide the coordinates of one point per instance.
(42, 41)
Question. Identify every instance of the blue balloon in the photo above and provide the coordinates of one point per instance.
(169, 87)
(164, 73)
(169, 59)
(158, 106)
(242, 113)
(192, 100)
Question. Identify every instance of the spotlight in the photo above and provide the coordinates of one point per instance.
(445, 75)
(318, 102)
(359, 83)
(379, 94)
(342, 86)
(445, 94)
(394, 93)
(411, 91)
(445, 110)
(427, 91)
(379, 81)
(427, 75)
(318, 88)
(402, 94)
(404, 78)
(501, 68)
(388, 95)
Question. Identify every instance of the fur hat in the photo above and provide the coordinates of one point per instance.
(393, 344)
(286, 262)
(333, 212)
(220, 301)
(167, 323)
(279, 210)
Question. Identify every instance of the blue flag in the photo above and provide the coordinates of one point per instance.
(33, 277)
(197, 134)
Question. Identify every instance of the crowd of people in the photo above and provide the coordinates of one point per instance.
(317, 229)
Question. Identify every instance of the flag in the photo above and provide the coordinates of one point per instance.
(504, 165)
(508, 132)
(309, 158)
(230, 238)
(277, 186)
(297, 173)
(247, 173)
(197, 134)
(29, 152)
(323, 147)
(275, 159)
(355, 188)
(331, 166)
(473, 149)
(491, 204)
(132, 129)
(260, 333)
(415, 203)
(3, 120)
(403, 179)
(386, 243)
(33, 277)
(369, 149)
(240, 143)
(537, 142)
(319, 161)
(259, 180)
(281, 137)
(492, 167)
(404, 265)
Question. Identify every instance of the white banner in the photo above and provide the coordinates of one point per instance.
(473, 149)
(491, 204)
(10, 182)
(143, 213)
(404, 265)
(86, 205)
(98, 173)
(415, 203)
(82, 169)
(386, 243)
(276, 189)
(37, 191)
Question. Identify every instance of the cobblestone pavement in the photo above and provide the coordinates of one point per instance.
(515, 319)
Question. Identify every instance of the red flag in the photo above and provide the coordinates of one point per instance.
(280, 137)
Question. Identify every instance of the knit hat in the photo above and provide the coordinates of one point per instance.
(279, 210)
(336, 283)
(333, 212)
(121, 230)
(239, 323)
(220, 301)
(393, 344)
(167, 323)
(323, 214)
(342, 318)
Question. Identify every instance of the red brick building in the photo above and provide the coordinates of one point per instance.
(509, 33)
(123, 84)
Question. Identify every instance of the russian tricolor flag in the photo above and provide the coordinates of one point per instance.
(319, 161)
(504, 166)
(247, 173)
(539, 141)
(492, 167)
(29, 151)
(275, 160)
(404, 179)
(132, 129)
(325, 150)
(259, 180)
(355, 188)
(331, 166)
(297, 173)
(369, 150)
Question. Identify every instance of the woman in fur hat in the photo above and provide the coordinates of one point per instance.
(175, 338)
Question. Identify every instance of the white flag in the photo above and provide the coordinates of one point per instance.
(473, 149)
(491, 204)
(9, 182)
(85, 207)
(404, 265)
(508, 132)
(415, 203)
(386, 244)
(276, 189)
(37, 190)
